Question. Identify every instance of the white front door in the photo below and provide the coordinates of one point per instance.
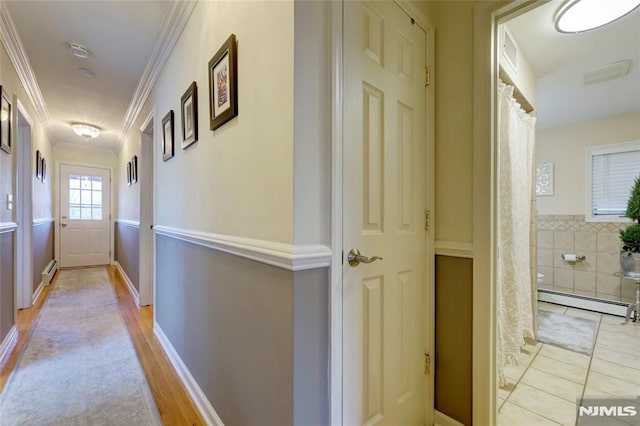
(84, 216)
(384, 196)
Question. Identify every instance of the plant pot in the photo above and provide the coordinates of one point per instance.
(630, 264)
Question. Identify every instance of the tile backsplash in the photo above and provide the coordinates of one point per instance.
(597, 241)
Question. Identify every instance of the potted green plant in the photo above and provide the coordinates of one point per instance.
(630, 254)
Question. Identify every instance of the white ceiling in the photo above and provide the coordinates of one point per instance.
(559, 60)
(120, 35)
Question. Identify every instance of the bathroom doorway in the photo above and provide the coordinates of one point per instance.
(585, 96)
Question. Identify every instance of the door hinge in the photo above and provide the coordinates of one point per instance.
(427, 363)
(427, 76)
(427, 219)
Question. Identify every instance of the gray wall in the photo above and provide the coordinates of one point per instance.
(250, 334)
(42, 237)
(453, 356)
(7, 298)
(127, 251)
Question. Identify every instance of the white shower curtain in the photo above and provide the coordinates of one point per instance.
(515, 319)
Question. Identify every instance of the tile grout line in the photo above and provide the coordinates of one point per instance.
(586, 379)
(521, 376)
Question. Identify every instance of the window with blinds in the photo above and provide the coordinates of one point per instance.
(613, 169)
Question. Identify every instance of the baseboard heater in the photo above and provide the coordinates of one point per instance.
(583, 302)
(49, 272)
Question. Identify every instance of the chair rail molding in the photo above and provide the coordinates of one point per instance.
(8, 227)
(127, 222)
(454, 249)
(286, 256)
(43, 221)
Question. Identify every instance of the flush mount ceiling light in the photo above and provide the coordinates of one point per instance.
(87, 131)
(76, 49)
(576, 16)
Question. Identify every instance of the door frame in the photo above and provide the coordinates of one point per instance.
(146, 274)
(23, 203)
(59, 164)
(487, 17)
(336, 294)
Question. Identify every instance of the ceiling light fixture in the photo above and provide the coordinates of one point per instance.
(87, 131)
(576, 16)
(76, 49)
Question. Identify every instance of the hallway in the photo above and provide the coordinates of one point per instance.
(76, 337)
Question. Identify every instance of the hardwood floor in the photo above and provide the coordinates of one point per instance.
(173, 401)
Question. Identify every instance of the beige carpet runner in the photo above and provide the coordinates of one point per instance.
(79, 366)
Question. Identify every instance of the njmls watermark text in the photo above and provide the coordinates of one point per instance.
(609, 411)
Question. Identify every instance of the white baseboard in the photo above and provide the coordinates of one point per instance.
(8, 342)
(37, 293)
(442, 419)
(126, 279)
(195, 392)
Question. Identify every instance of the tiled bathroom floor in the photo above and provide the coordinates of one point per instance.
(549, 380)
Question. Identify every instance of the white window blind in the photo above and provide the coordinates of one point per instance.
(612, 176)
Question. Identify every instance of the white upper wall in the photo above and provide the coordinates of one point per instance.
(129, 196)
(42, 197)
(566, 147)
(312, 151)
(237, 180)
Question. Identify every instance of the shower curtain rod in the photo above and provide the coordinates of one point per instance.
(517, 94)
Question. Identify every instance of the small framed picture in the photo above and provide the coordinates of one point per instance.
(5, 122)
(129, 173)
(43, 178)
(189, 113)
(167, 136)
(134, 169)
(223, 84)
(38, 165)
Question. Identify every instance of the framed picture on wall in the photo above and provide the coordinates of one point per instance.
(223, 84)
(129, 173)
(134, 169)
(167, 136)
(189, 113)
(38, 165)
(5, 122)
(43, 177)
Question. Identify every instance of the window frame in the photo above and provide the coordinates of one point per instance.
(592, 151)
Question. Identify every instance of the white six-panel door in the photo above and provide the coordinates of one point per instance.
(84, 216)
(384, 332)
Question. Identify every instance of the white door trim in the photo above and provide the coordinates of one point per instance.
(335, 313)
(335, 364)
(112, 180)
(487, 16)
(23, 203)
(146, 237)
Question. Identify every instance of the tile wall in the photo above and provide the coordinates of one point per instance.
(595, 276)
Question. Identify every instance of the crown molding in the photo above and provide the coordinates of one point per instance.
(18, 56)
(174, 22)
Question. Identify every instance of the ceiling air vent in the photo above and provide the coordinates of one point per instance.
(606, 72)
(510, 50)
